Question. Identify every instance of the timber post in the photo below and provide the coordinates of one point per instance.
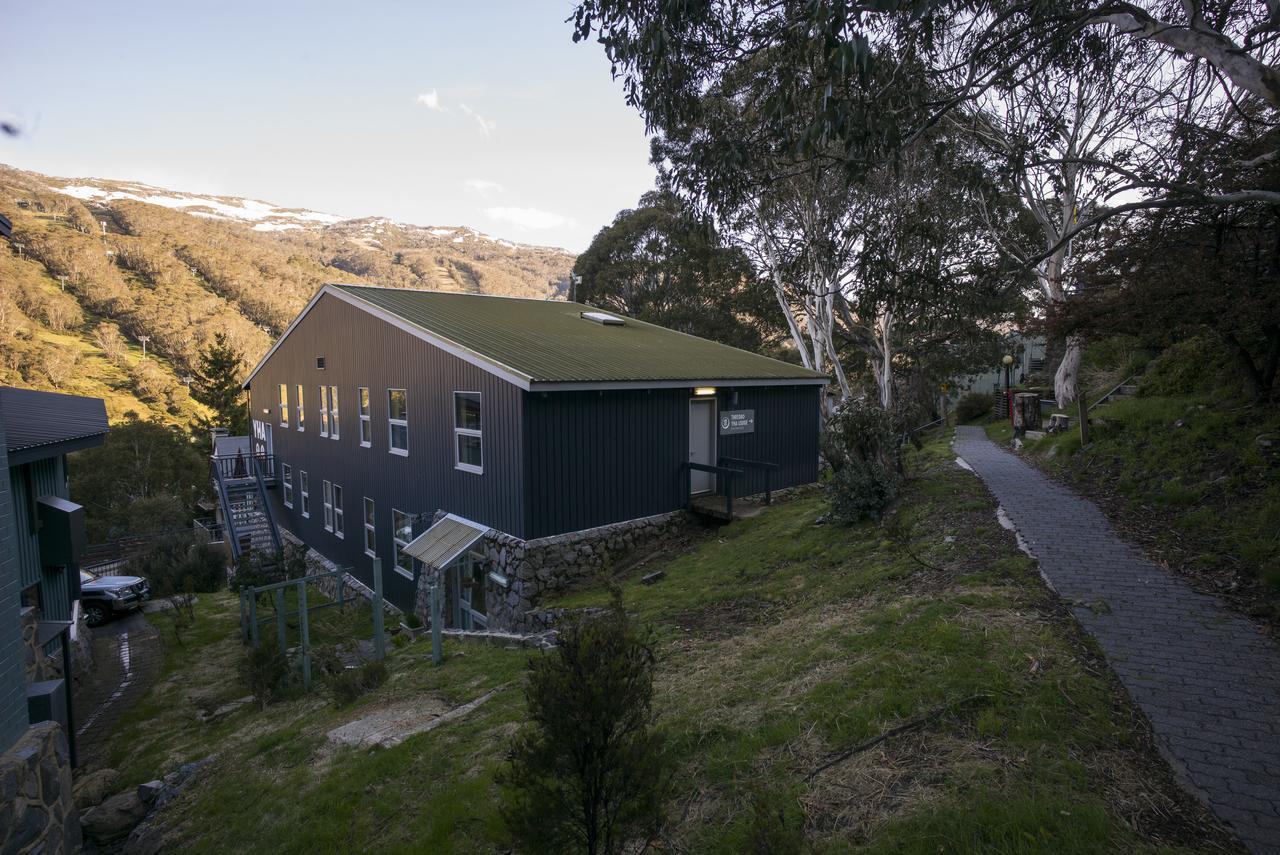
(379, 636)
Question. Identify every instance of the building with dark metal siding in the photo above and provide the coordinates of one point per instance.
(523, 416)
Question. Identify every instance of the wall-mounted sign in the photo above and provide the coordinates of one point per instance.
(737, 421)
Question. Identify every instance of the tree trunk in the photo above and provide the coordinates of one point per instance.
(1066, 382)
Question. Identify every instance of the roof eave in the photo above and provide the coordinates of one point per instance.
(609, 385)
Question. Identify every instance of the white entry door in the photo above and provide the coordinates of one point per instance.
(702, 444)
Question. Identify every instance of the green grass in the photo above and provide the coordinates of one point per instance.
(780, 643)
(1191, 474)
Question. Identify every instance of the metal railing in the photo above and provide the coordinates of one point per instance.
(209, 530)
(767, 468)
(725, 477)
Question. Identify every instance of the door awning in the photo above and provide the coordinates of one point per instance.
(439, 545)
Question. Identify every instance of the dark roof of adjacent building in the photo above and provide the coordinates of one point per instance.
(6, 227)
(549, 345)
(43, 424)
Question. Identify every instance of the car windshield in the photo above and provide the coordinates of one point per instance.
(86, 577)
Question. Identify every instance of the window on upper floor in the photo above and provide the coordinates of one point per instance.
(398, 421)
(324, 410)
(366, 421)
(466, 432)
(333, 412)
(286, 481)
(284, 404)
(339, 516)
(304, 492)
(302, 411)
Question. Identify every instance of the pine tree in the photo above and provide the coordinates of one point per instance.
(217, 386)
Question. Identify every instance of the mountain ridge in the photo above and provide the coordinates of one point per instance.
(98, 267)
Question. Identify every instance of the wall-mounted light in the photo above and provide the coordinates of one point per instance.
(704, 391)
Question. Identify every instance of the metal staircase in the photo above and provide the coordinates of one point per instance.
(241, 483)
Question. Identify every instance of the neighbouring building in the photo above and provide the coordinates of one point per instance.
(502, 446)
(41, 540)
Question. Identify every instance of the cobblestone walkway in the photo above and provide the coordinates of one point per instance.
(1207, 678)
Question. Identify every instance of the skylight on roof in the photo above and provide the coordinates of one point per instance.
(604, 318)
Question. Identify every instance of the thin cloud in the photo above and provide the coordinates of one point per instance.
(484, 188)
(486, 127)
(431, 100)
(528, 219)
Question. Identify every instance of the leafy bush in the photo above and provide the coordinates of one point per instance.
(349, 684)
(974, 405)
(265, 670)
(587, 772)
(257, 568)
(180, 565)
(1197, 366)
(862, 445)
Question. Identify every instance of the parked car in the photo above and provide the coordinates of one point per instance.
(102, 597)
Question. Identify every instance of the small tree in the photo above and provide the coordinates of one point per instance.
(217, 386)
(862, 444)
(587, 773)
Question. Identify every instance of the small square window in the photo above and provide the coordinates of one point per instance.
(320, 362)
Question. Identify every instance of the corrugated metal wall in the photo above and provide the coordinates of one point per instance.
(13, 683)
(360, 350)
(603, 457)
(30, 481)
(788, 419)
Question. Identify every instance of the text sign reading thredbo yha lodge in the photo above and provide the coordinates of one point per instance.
(738, 421)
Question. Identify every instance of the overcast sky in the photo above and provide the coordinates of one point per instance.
(482, 114)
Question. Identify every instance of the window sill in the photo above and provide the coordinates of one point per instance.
(287, 505)
(306, 515)
(401, 571)
(366, 445)
(339, 535)
(398, 452)
(467, 467)
(371, 554)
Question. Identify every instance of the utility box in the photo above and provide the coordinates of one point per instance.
(62, 533)
(47, 701)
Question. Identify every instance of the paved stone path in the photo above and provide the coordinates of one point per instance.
(1207, 678)
(126, 661)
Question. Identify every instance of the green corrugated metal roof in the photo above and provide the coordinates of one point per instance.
(547, 341)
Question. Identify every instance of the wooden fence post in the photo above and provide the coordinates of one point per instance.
(379, 637)
(304, 626)
(253, 616)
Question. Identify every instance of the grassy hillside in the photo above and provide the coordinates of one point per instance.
(98, 255)
(781, 643)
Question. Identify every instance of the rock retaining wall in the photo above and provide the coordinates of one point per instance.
(36, 809)
(329, 585)
(535, 568)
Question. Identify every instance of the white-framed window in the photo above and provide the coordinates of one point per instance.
(286, 476)
(402, 534)
(370, 529)
(284, 404)
(339, 516)
(398, 421)
(333, 412)
(366, 420)
(324, 410)
(304, 491)
(302, 409)
(327, 493)
(467, 453)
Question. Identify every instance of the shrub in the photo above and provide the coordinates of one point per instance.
(1197, 366)
(179, 565)
(265, 670)
(862, 444)
(973, 406)
(587, 772)
(349, 684)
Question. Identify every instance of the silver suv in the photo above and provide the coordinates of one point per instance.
(101, 597)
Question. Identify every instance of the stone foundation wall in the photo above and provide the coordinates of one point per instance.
(36, 809)
(38, 665)
(329, 585)
(536, 568)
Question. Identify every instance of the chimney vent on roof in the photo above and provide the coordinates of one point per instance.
(604, 318)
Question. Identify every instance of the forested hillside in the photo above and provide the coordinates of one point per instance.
(97, 267)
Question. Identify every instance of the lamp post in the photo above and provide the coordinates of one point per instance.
(1008, 372)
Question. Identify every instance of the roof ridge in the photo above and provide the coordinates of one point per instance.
(453, 293)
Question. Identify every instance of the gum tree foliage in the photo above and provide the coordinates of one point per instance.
(146, 476)
(588, 772)
(659, 262)
(217, 386)
(1092, 110)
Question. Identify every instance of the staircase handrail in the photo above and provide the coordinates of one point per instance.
(1104, 398)
(266, 505)
(233, 537)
